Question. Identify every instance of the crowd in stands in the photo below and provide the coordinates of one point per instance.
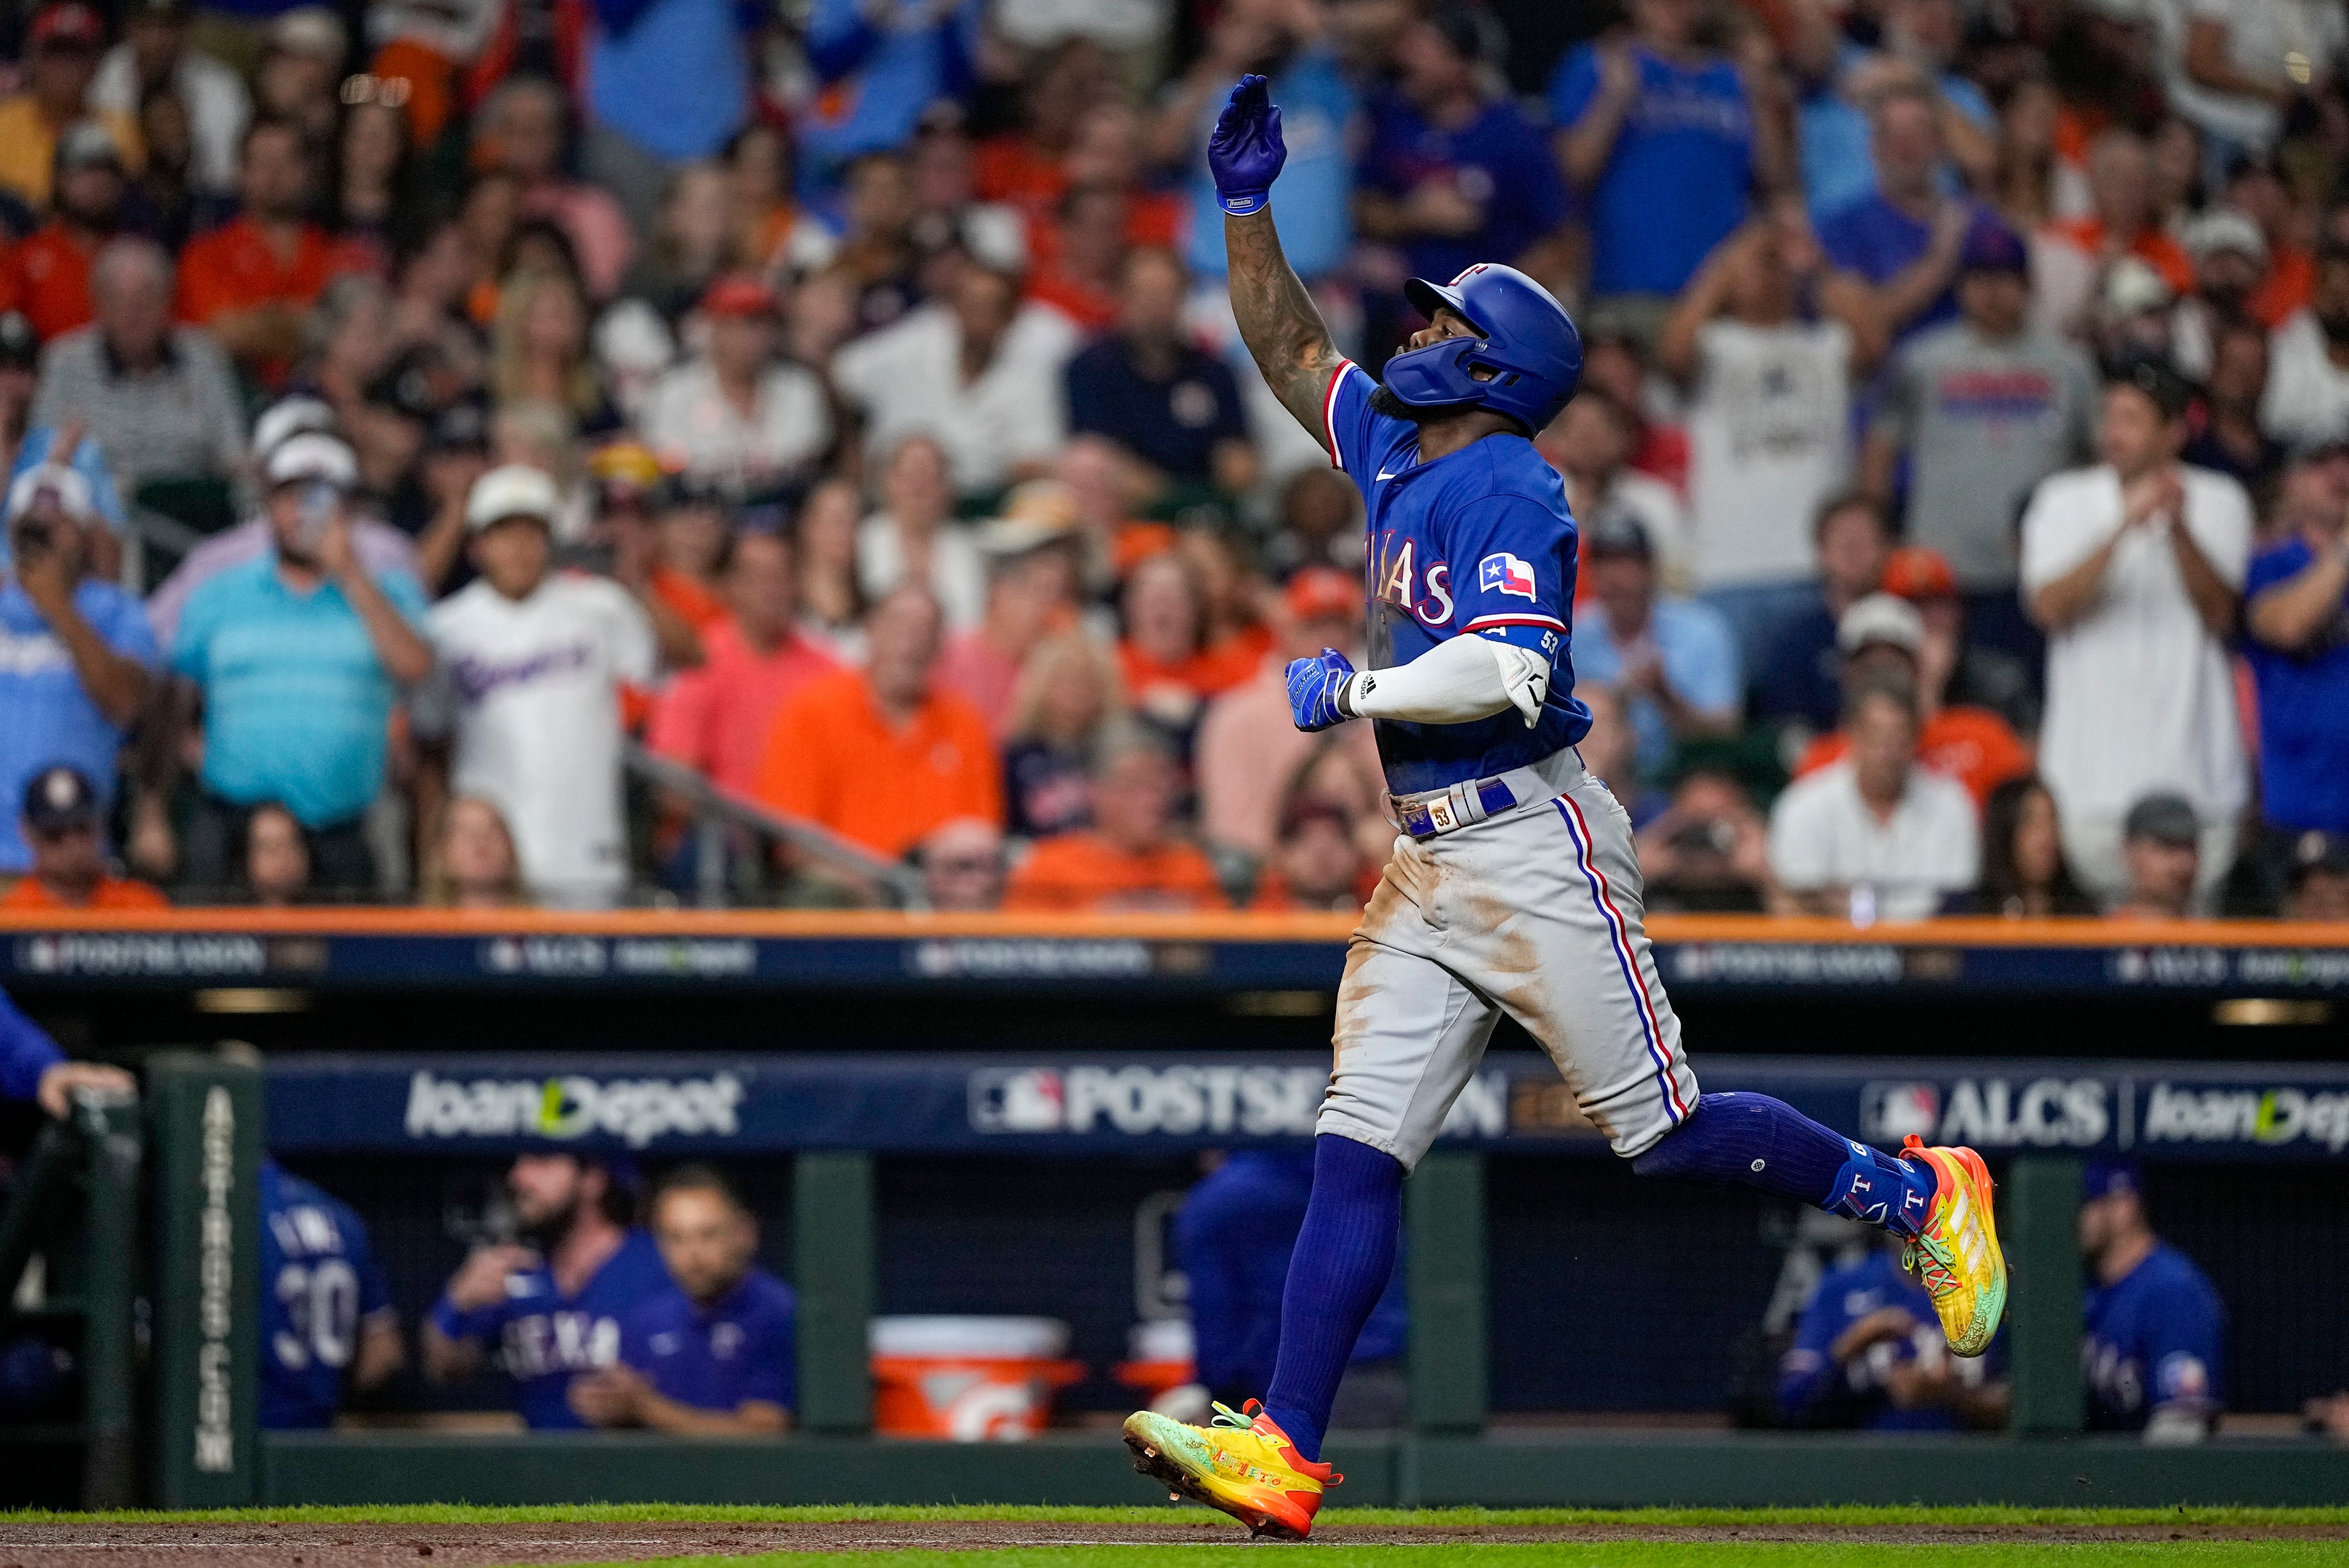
(419, 416)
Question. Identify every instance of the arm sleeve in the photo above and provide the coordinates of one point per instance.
(1701, 662)
(26, 1052)
(1458, 681)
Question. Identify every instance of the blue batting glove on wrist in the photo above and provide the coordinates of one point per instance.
(1246, 152)
(1313, 688)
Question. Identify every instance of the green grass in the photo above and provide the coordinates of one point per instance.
(628, 1514)
(1598, 1554)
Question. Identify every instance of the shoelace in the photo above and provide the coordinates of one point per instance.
(1225, 1415)
(1940, 1279)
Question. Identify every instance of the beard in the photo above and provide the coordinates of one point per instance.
(1393, 408)
(550, 1228)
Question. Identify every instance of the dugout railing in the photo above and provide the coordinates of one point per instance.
(832, 1118)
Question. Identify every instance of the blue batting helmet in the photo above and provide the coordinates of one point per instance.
(1525, 342)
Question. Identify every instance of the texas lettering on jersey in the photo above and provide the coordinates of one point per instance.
(1479, 543)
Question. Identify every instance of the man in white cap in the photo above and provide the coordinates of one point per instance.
(2230, 262)
(75, 653)
(299, 654)
(528, 695)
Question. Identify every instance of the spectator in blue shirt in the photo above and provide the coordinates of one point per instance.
(1801, 677)
(2297, 593)
(298, 655)
(668, 83)
(1233, 1238)
(1312, 199)
(1664, 139)
(76, 654)
(882, 63)
(712, 1354)
(1173, 411)
(1904, 238)
(553, 1303)
(325, 1314)
(1674, 660)
(33, 1068)
(1869, 1353)
(1920, 38)
(2155, 1329)
(1452, 177)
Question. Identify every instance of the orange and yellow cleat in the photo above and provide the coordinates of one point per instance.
(1954, 1254)
(1240, 1462)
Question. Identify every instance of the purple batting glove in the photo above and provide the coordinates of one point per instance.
(1313, 688)
(1246, 152)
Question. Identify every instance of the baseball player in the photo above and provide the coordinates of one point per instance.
(1515, 888)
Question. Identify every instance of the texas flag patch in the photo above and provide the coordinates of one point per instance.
(1505, 574)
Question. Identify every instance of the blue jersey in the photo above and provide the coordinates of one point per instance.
(1810, 1382)
(318, 1282)
(714, 1358)
(1477, 542)
(546, 1338)
(1233, 1238)
(2154, 1338)
(2303, 707)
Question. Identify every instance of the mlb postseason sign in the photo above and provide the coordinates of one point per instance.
(659, 1105)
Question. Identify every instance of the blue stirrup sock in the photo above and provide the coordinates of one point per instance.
(1753, 1141)
(1345, 1254)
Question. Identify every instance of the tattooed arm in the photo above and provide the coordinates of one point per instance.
(1277, 319)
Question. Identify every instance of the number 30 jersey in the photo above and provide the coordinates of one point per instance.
(318, 1282)
(1476, 544)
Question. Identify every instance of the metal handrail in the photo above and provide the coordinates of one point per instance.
(716, 808)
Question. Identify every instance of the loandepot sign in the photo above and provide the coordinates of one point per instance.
(636, 1110)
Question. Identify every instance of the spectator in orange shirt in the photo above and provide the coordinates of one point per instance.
(254, 280)
(1026, 165)
(717, 718)
(1170, 672)
(1129, 859)
(1955, 671)
(1972, 745)
(880, 755)
(61, 826)
(61, 52)
(689, 539)
(1078, 258)
(1031, 593)
(53, 264)
(2124, 223)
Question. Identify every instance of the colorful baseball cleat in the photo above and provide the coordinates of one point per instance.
(1954, 1254)
(1240, 1462)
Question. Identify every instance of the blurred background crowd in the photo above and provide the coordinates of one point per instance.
(590, 451)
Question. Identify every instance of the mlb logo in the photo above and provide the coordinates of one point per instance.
(1029, 1100)
(1505, 574)
(1889, 1112)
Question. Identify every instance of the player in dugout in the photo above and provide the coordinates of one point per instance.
(1516, 887)
(326, 1316)
(553, 1307)
(2155, 1327)
(712, 1356)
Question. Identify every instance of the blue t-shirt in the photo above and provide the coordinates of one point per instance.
(877, 79)
(1233, 1238)
(2154, 1338)
(2303, 707)
(318, 1282)
(546, 1338)
(1700, 655)
(46, 715)
(676, 80)
(26, 1052)
(1880, 242)
(1802, 675)
(295, 699)
(1676, 183)
(1809, 1380)
(1501, 159)
(1479, 541)
(1312, 199)
(714, 1358)
(1172, 425)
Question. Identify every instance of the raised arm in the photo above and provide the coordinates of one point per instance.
(1278, 318)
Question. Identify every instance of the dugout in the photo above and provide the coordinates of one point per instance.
(890, 1178)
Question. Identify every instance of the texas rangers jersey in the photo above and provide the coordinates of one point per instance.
(318, 1282)
(1478, 542)
(2155, 1338)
